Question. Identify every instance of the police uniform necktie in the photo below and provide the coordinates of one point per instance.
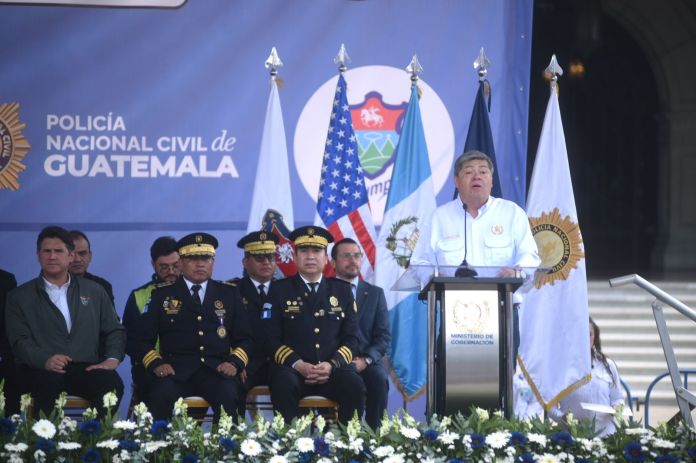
(195, 295)
(313, 287)
(262, 291)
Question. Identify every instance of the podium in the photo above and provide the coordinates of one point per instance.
(470, 336)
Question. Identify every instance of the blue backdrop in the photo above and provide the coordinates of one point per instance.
(148, 121)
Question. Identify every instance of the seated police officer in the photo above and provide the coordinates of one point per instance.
(259, 266)
(312, 329)
(203, 331)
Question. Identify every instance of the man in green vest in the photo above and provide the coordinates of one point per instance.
(165, 263)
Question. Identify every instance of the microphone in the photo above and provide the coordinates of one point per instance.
(464, 270)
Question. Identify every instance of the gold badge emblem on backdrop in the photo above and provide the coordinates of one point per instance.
(13, 146)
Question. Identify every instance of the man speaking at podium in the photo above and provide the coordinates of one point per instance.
(476, 229)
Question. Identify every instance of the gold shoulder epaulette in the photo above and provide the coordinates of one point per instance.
(232, 282)
(163, 284)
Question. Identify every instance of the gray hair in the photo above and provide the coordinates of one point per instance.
(473, 155)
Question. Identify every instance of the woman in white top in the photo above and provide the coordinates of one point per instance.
(603, 389)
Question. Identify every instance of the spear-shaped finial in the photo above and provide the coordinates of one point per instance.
(342, 59)
(481, 64)
(414, 68)
(553, 71)
(273, 62)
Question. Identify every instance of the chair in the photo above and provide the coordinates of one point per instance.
(203, 412)
(74, 407)
(259, 399)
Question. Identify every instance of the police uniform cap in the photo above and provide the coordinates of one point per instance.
(258, 242)
(197, 244)
(311, 236)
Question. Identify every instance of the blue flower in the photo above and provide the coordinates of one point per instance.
(691, 452)
(431, 435)
(583, 460)
(227, 444)
(304, 457)
(517, 438)
(455, 460)
(189, 458)
(90, 427)
(46, 445)
(526, 458)
(91, 456)
(159, 428)
(633, 452)
(666, 459)
(321, 447)
(562, 438)
(128, 445)
(7, 426)
(477, 441)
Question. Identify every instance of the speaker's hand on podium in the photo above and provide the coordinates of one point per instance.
(506, 272)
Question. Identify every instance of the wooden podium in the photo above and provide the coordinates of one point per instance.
(470, 343)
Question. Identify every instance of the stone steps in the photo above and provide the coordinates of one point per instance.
(629, 334)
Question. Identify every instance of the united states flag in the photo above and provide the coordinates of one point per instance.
(343, 206)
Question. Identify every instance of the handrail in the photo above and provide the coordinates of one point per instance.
(629, 397)
(686, 400)
(658, 378)
(655, 291)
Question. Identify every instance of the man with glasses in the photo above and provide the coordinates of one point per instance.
(164, 257)
(374, 334)
(203, 332)
(259, 266)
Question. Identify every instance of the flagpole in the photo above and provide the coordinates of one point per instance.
(415, 68)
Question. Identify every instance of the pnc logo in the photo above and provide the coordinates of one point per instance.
(377, 96)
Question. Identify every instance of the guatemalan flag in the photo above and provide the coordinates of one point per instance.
(342, 206)
(411, 200)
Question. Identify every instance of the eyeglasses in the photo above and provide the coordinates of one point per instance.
(260, 258)
(348, 255)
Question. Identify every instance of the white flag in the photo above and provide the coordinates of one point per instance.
(554, 349)
(272, 183)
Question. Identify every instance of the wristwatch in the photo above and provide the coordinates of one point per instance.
(368, 360)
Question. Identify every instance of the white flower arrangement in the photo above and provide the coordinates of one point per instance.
(480, 437)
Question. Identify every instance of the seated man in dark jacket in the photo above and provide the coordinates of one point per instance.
(56, 326)
(203, 331)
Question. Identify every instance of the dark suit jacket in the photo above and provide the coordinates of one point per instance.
(37, 329)
(375, 335)
(192, 336)
(7, 283)
(252, 301)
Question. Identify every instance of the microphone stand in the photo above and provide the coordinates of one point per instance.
(464, 271)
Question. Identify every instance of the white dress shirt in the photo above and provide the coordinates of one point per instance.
(59, 297)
